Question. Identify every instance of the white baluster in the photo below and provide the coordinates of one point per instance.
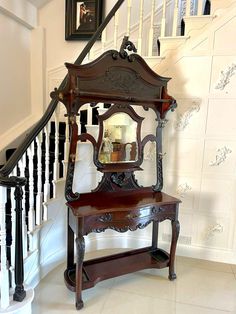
(46, 190)
(89, 115)
(31, 213)
(39, 197)
(66, 147)
(4, 287)
(151, 32)
(78, 124)
(140, 30)
(56, 160)
(188, 7)
(129, 6)
(104, 39)
(22, 165)
(116, 31)
(163, 20)
(175, 18)
(200, 7)
(13, 225)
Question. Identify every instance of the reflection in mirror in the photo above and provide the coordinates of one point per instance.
(148, 166)
(119, 142)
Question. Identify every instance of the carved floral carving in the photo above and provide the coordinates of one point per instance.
(212, 230)
(225, 77)
(221, 155)
(184, 119)
(183, 189)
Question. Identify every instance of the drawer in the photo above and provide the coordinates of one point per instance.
(128, 220)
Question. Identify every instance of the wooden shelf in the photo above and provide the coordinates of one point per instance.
(116, 265)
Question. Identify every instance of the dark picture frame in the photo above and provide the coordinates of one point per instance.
(82, 18)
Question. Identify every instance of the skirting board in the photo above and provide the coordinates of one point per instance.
(127, 241)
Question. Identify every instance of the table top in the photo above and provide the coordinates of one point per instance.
(102, 202)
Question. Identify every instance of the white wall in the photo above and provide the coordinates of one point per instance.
(200, 144)
(18, 18)
(15, 72)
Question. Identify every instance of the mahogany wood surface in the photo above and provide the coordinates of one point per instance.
(119, 203)
(111, 266)
(98, 203)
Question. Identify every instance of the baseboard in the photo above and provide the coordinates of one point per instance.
(133, 241)
(110, 241)
(37, 274)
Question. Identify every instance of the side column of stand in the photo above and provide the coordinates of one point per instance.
(80, 249)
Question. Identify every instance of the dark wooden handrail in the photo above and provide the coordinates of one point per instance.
(16, 156)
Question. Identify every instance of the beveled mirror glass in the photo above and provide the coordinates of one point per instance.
(119, 143)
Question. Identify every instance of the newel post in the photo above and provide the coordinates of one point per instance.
(20, 292)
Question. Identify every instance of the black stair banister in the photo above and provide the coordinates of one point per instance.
(19, 182)
(16, 156)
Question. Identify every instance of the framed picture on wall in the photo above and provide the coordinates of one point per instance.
(82, 18)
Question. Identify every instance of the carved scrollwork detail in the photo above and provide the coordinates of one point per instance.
(131, 228)
(115, 55)
(80, 245)
(127, 45)
(105, 218)
(70, 196)
(141, 225)
(122, 81)
(162, 123)
(119, 179)
(158, 187)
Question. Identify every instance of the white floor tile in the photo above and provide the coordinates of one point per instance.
(203, 264)
(119, 302)
(216, 290)
(191, 309)
(150, 283)
(201, 288)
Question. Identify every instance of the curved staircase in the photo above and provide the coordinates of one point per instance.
(204, 174)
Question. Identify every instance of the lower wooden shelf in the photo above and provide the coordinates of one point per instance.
(106, 267)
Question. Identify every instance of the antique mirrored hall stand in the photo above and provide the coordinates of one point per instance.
(119, 203)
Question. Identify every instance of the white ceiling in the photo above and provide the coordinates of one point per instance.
(39, 3)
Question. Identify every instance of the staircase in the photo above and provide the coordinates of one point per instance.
(28, 233)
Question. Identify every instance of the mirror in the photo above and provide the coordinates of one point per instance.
(119, 142)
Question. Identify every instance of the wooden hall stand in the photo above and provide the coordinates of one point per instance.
(118, 202)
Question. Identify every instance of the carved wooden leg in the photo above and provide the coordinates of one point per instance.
(70, 246)
(155, 234)
(80, 246)
(175, 235)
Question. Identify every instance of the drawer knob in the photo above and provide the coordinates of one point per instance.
(157, 210)
(105, 218)
(134, 215)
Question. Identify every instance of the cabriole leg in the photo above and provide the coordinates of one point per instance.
(70, 246)
(80, 247)
(175, 234)
(155, 235)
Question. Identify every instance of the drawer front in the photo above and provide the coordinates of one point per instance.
(122, 221)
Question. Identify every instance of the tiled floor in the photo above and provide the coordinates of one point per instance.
(201, 288)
